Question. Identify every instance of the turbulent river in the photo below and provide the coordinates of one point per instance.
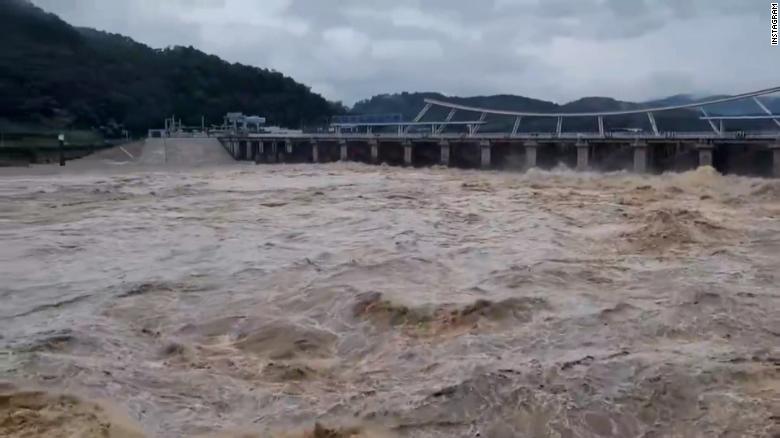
(376, 301)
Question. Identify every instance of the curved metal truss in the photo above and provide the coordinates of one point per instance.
(743, 96)
(701, 106)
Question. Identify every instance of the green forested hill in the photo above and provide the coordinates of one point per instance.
(58, 76)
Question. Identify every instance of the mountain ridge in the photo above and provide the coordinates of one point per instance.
(56, 75)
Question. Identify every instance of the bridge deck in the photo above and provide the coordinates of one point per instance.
(734, 137)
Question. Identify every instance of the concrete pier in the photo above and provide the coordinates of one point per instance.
(240, 150)
(640, 157)
(445, 153)
(274, 152)
(485, 148)
(752, 157)
(531, 149)
(583, 152)
(705, 154)
(344, 153)
(374, 151)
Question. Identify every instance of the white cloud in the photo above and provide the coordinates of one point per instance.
(410, 17)
(406, 50)
(345, 42)
(551, 49)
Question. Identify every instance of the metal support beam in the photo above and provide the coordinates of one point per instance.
(765, 109)
(601, 126)
(417, 119)
(408, 153)
(559, 127)
(516, 127)
(476, 127)
(422, 113)
(653, 124)
(447, 120)
(315, 151)
(712, 123)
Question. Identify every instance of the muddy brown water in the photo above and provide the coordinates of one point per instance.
(380, 301)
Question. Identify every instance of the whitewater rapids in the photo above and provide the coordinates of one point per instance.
(246, 300)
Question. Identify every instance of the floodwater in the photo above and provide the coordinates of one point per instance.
(245, 300)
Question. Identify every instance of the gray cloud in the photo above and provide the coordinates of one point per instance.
(552, 49)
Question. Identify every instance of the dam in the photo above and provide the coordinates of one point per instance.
(465, 144)
(755, 157)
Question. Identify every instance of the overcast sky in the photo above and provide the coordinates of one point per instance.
(556, 50)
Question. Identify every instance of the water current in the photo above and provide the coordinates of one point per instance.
(374, 301)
